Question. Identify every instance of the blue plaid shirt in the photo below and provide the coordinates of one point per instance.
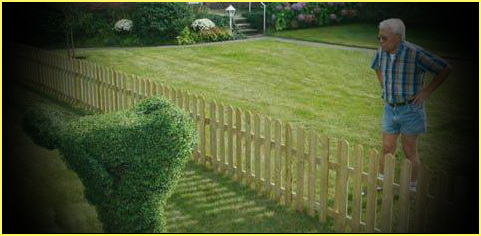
(405, 75)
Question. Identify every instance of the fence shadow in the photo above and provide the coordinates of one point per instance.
(206, 202)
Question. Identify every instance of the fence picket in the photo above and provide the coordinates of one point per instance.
(230, 141)
(213, 134)
(278, 160)
(288, 167)
(248, 147)
(299, 160)
(404, 197)
(222, 165)
(267, 156)
(387, 194)
(340, 201)
(372, 192)
(311, 181)
(202, 133)
(257, 151)
(324, 179)
(357, 189)
(238, 147)
(421, 200)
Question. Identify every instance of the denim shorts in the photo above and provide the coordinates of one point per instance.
(406, 119)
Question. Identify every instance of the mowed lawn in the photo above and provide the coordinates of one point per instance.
(442, 42)
(330, 91)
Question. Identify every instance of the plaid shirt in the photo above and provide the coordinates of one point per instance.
(405, 76)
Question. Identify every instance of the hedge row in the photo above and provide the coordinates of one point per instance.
(128, 161)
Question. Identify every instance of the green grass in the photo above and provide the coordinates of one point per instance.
(202, 202)
(364, 35)
(330, 91)
(206, 202)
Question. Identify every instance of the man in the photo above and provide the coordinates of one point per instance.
(401, 67)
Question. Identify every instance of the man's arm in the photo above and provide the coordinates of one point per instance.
(379, 77)
(421, 97)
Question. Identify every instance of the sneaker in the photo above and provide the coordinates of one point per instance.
(381, 178)
(413, 185)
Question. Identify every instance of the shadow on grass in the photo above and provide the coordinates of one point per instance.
(206, 202)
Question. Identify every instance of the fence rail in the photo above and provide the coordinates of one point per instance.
(293, 166)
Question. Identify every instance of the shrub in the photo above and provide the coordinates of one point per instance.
(43, 124)
(129, 162)
(284, 15)
(161, 21)
(124, 25)
(202, 24)
(214, 35)
(186, 37)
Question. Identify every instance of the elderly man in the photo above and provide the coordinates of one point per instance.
(401, 68)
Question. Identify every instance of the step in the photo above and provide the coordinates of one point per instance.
(248, 31)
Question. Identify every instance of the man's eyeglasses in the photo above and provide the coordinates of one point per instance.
(382, 38)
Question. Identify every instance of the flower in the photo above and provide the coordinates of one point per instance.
(309, 18)
(279, 8)
(124, 25)
(203, 24)
(301, 17)
(273, 17)
(333, 17)
(296, 7)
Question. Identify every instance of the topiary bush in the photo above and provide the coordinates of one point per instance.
(43, 124)
(129, 161)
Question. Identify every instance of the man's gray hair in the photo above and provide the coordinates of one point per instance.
(396, 25)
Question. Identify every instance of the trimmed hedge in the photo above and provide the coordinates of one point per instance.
(129, 161)
(43, 124)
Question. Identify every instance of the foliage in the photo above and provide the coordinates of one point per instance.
(129, 162)
(303, 15)
(186, 37)
(43, 124)
(161, 21)
(214, 35)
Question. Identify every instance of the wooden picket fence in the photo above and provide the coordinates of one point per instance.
(324, 178)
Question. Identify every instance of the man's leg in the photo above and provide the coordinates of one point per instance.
(410, 148)
(389, 144)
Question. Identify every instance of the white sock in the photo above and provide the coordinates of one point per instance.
(380, 176)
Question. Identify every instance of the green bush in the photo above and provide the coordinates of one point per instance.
(43, 124)
(161, 21)
(129, 162)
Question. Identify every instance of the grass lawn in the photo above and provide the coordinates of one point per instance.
(44, 196)
(330, 91)
(364, 35)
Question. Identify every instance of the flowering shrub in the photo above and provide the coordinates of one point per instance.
(202, 24)
(124, 25)
(284, 15)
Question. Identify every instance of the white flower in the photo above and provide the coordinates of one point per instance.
(203, 24)
(124, 25)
